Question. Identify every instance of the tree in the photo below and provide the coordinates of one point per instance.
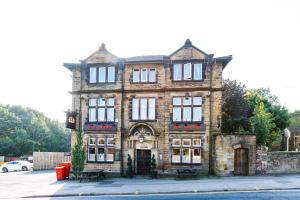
(295, 118)
(24, 130)
(278, 114)
(239, 105)
(235, 109)
(78, 156)
(262, 126)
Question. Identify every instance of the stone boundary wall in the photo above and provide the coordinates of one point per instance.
(282, 162)
(225, 146)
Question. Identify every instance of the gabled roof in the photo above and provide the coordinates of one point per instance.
(187, 44)
(100, 55)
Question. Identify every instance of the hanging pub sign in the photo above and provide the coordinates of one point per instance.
(99, 126)
(71, 120)
(187, 127)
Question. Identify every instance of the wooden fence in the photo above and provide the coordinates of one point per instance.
(49, 160)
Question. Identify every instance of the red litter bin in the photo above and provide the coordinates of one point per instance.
(60, 174)
(67, 169)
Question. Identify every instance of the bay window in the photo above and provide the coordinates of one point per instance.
(101, 149)
(143, 109)
(187, 71)
(105, 110)
(187, 109)
(186, 151)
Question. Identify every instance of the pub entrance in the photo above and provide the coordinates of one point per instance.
(143, 161)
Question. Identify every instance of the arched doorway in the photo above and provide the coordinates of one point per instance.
(143, 137)
(241, 161)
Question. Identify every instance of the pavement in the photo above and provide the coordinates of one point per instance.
(40, 184)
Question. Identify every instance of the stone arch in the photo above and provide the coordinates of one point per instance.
(141, 128)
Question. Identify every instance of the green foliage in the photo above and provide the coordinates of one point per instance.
(278, 114)
(295, 118)
(24, 130)
(78, 156)
(129, 171)
(235, 109)
(262, 126)
(260, 106)
(153, 164)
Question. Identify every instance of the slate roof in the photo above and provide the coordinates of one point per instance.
(102, 52)
(148, 58)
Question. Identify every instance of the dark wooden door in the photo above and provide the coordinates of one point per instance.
(143, 161)
(241, 161)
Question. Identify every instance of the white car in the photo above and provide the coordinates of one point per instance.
(18, 165)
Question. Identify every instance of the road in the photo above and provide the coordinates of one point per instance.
(273, 195)
(43, 184)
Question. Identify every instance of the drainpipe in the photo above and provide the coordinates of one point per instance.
(211, 138)
(122, 118)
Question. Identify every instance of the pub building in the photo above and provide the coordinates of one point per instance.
(166, 106)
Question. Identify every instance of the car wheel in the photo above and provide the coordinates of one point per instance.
(24, 168)
(4, 169)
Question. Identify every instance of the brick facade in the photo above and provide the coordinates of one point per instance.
(161, 131)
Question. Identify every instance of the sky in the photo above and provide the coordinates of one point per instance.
(37, 37)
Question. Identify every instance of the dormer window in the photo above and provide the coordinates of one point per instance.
(102, 74)
(144, 75)
(187, 71)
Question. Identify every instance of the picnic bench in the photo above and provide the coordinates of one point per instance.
(186, 172)
(89, 174)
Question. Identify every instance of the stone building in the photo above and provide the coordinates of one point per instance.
(168, 107)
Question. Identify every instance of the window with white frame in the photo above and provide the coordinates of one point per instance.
(144, 75)
(93, 74)
(186, 151)
(102, 110)
(101, 149)
(92, 110)
(143, 108)
(187, 71)
(187, 109)
(102, 74)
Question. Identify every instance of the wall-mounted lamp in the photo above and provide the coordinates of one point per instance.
(141, 138)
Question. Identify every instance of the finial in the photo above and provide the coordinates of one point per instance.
(102, 47)
(188, 43)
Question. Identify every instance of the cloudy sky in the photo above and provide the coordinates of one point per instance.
(36, 37)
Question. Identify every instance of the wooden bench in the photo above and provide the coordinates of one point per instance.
(89, 174)
(186, 172)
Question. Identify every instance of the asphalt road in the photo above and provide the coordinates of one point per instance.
(272, 195)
